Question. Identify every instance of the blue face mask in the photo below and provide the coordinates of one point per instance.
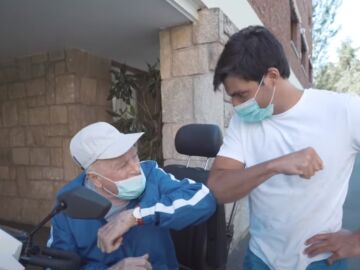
(251, 112)
(127, 189)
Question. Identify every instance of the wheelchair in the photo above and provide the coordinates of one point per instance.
(204, 246)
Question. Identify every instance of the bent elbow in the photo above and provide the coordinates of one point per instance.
(216, 190)
(222, 194)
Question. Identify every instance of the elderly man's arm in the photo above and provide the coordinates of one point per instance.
(61, 238)
(166, 202)
(175, 204)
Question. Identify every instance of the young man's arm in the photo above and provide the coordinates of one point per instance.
(230, 180)
(342, 244)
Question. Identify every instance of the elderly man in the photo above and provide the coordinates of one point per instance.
(146, 203)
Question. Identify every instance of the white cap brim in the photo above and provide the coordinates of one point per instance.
(121, 146)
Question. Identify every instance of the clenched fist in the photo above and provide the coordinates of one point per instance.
(304, 163)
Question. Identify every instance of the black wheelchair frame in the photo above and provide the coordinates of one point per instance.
(204, 246)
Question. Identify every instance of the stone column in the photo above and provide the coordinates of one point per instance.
(45, 99)
(188, 56)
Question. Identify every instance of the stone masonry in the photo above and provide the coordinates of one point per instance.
(45, 99)
(188, 56)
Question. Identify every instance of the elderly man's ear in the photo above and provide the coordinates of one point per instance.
(94, 179)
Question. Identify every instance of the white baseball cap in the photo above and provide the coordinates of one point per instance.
(100, 141)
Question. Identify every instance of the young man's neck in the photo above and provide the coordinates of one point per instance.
(286, 96)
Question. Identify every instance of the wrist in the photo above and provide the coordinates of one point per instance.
(136, 213)
(128, 218)
(357, 235)
(272, 166)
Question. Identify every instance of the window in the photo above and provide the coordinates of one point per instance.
(310, 74)
(304, 54)
(295, 27)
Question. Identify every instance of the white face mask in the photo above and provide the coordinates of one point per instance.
(127, 189)
(250, 110)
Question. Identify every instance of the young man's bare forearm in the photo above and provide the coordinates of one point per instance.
(231, 185)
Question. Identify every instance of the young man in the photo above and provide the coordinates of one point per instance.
(292, 151)
(146, 203)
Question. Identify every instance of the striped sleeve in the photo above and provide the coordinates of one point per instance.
(174, 204)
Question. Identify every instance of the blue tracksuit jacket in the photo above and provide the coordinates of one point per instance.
(166, 204)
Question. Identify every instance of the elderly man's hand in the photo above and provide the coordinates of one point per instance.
(110, 235)
(133, 263)
(342, 244)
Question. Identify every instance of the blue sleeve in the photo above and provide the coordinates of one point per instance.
(94, 266)
(61, 238)
(60, 234)
(174, 204)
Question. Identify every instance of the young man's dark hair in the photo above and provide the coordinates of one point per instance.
(249, 53)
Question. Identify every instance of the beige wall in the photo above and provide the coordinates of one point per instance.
(188, 55)
(44, 100)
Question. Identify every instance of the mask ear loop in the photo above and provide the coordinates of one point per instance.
(104, 188)
(109, 191)
(257, 91)
(273, 94)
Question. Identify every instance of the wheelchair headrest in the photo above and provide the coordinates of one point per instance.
(203, 140)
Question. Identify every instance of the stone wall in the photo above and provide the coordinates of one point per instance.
(188, 56)
(45, 99)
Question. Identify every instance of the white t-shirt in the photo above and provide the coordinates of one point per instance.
(286, 209)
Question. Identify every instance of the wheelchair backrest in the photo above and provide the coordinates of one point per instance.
(202, 246)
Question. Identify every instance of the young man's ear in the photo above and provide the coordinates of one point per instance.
(273, 73)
